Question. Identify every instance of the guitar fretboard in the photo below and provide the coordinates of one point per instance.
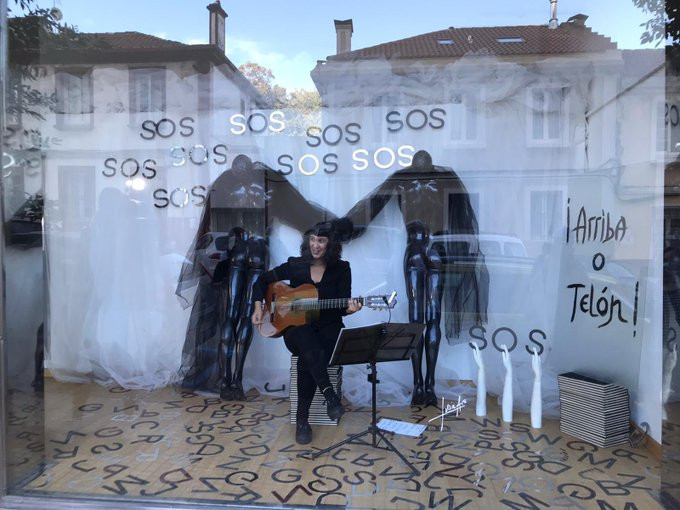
(322, 304)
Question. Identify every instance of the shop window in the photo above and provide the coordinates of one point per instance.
(547, 117)
(74, 98)
(147, 90)
(545, 214)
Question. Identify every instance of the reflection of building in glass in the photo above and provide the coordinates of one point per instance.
(536, 120)
(111, 97)
(132, 112)
(507, 107)
(533, 120)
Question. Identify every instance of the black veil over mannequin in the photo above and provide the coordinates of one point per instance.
(433, 200)
(239, 211)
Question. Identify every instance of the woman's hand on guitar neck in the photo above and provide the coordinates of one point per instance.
(258, 315)
(353, 306)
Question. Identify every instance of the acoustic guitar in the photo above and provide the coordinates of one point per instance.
(286, 306)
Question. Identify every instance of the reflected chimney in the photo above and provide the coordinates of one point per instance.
(343, 32)
(217, 25)
(553, 14)
(578, 19)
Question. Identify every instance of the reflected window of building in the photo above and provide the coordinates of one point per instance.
(547, 115)
(147, 89)
(13, 100)
(490, 248)
(77, 195)
(668, 127)
(75, 101)
(14, 189)
(465, 117)
(545, 214)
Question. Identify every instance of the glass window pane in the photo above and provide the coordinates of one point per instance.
(164, 165)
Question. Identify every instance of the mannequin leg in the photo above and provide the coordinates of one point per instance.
(257, 261)
(39, 358)
(433, 313)
(414, 287)
(235, 282)
(414, 276)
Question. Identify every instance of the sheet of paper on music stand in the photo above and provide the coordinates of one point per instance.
(401, 427)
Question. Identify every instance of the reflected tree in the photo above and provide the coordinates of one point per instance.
(664, 23)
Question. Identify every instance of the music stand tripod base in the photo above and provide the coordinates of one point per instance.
(372, 344)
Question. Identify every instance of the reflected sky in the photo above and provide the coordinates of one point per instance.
(269, 34)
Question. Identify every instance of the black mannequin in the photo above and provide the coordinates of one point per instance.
(432, 199)
(250, 195)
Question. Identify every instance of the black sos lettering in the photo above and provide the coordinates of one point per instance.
(416, 119)
(199, 154)
(165, 128)
(180, 197)
(129, 168)
(507, 336)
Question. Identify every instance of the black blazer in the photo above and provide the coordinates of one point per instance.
(335, 283)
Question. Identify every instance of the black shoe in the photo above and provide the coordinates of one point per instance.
(418, 397)
(225, 392)
(237, 392)
(334, 407)
(303, 432)
(431, 398)
(38, 384)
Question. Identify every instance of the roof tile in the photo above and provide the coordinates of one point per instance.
(131, 41)
(537, 39)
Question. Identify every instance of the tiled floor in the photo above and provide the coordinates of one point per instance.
(181, 446)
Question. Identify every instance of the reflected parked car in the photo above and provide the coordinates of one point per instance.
(453, 247)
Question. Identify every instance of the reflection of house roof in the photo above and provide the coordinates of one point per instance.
(569, 37)
(42, 47)
(131, 40)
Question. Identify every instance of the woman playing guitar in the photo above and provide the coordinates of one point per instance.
(320, 265)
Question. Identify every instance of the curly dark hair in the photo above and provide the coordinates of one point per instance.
(333, 249)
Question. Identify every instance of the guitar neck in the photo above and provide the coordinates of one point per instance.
(324, 304)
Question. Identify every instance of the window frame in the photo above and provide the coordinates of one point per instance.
(479, 140)
(561, 206)
(660, 127)
(562, 119)
(87, 180)
(74, 120)
(133, 82)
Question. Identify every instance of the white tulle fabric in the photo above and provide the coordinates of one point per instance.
(124, 329)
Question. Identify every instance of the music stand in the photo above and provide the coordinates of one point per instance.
(371, 344)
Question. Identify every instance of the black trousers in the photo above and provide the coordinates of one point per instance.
(313, 345)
